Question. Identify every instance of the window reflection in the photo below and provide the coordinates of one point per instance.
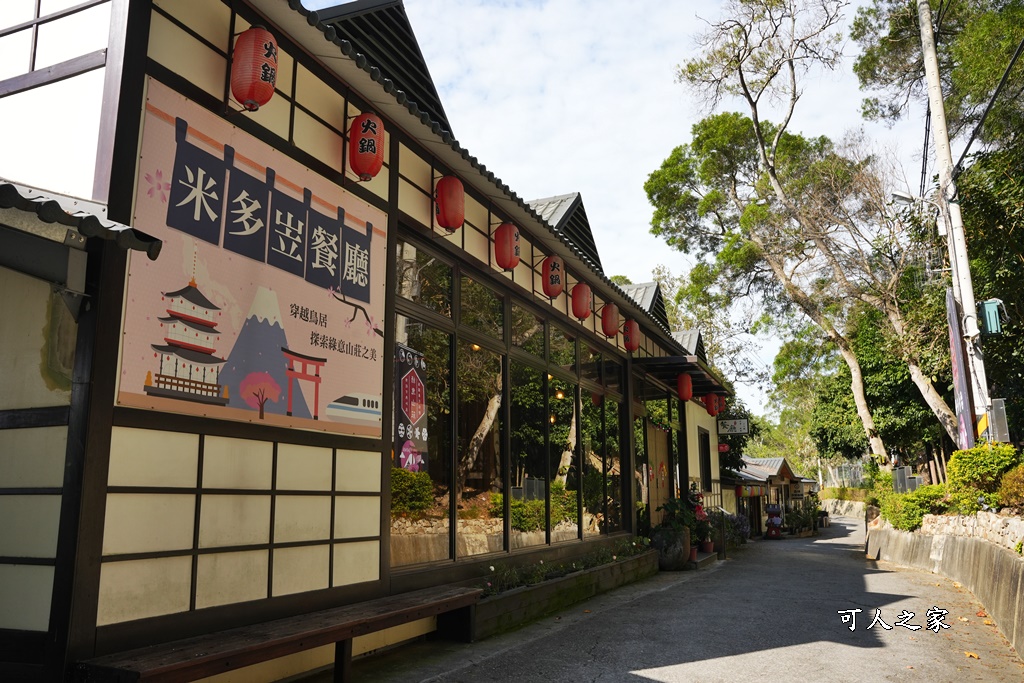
(421, 472)
(482, 309)
(529, 463)
(565, 473)
(592, 449)
(424, 279)
(612, 466)
(479, 482)
(527, 331)
(563, 349)
(641, 478)
(590, 364)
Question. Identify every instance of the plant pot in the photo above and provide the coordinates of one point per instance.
(707, 546)
(693, 554)
(673, 546)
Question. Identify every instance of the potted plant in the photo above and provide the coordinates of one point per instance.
(671, 537)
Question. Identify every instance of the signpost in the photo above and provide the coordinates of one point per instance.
(732, 427)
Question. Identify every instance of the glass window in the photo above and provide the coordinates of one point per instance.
(612, 466)
(565, 471)
(527, 331)
(592, 465)
(482, 309)
(529, 463)
(424, 279)
(590, 364)
(641, 477)
(421, 472)
(613, 375)
(64, 38)
(479, 477)
(563, 349)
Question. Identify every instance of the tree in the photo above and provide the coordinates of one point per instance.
(975, 41)
(257, 388)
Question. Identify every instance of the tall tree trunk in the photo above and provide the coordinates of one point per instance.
(859, 398)
(946, 417)
(469, 458)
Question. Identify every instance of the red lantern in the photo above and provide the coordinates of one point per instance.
(254, 68)
(506, 246)
(631, 335)
(723, 448)
(366, 145)
(553, 273)
(721, 404)
(610, 320)
(684, 385)
(449, 203)
(582, 300)
(710, 401)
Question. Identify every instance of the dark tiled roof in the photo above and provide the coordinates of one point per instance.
(648, 295)
(693, 342)
(77, 214)
(566, 214)
(380, 31)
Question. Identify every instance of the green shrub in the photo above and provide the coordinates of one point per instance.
(907, 510)
(525, 515)
(411, 492)
(974, 475)
(564, 505)
(880, 490)
(844, 493)
(1011, 488)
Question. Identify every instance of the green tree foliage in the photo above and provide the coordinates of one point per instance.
(975, 40)
(1011, 488)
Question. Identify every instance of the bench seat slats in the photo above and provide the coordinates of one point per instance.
(206, 655)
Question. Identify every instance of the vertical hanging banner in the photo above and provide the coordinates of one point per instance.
(267, 301)
(410, 409)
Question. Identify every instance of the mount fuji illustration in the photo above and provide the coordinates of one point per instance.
(256, 363)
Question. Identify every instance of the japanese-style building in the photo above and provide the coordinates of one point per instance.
(177, 462)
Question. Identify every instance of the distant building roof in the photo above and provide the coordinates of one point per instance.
(648, 295)
(692, 341)
(773, 467)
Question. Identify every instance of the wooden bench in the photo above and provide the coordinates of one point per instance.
(201, 656)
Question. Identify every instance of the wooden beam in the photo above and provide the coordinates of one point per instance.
(54, 74)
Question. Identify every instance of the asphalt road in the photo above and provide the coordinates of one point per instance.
(769, 613)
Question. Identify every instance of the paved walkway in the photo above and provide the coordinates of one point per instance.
(769, 613)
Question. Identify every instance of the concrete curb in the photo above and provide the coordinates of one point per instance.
(994, 575)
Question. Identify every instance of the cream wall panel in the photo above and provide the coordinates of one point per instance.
(147, 457)
(303, 468)
(356, 562)
(285, 65)
(25, 594)
(379, 184)
(524, 271)
(393, 636)
(32, 457)
(414, 202)
(476, 244)
(234, 520)
(237, 463)
(414, 168)
(143, 588)
(356, 516)
(317, 139)
(358, 471)
(184, 55)
(28, 383)
(225, 578)
(297, 570)
(28, 525)
(280, 669)
(148, 522)
(319, 98)
(211, 20)
(476, 213)
(275, 116)
(302, 518)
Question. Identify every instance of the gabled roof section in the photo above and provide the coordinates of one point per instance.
(775, 467)
(692, 341)
(380, 30)
(648, 295)
(565, 213)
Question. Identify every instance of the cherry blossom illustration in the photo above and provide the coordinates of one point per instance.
(157, 186)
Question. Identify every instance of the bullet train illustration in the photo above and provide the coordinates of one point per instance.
(355, 407)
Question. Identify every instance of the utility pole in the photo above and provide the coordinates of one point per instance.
(963, 288)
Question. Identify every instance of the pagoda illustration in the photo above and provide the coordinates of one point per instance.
(188, 369)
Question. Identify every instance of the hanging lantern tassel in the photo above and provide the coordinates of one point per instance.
(631, 335)
(582, 300)
(553, 272)
(506, 246)
(449, 203)
(366, 146)
(610, 320)
(684, 385)
(254, 68)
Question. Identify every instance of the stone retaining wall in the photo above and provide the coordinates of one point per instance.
(992, 573)
(843, 508)
(1003, 530)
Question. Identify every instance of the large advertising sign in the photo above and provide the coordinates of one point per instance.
(267, 300)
